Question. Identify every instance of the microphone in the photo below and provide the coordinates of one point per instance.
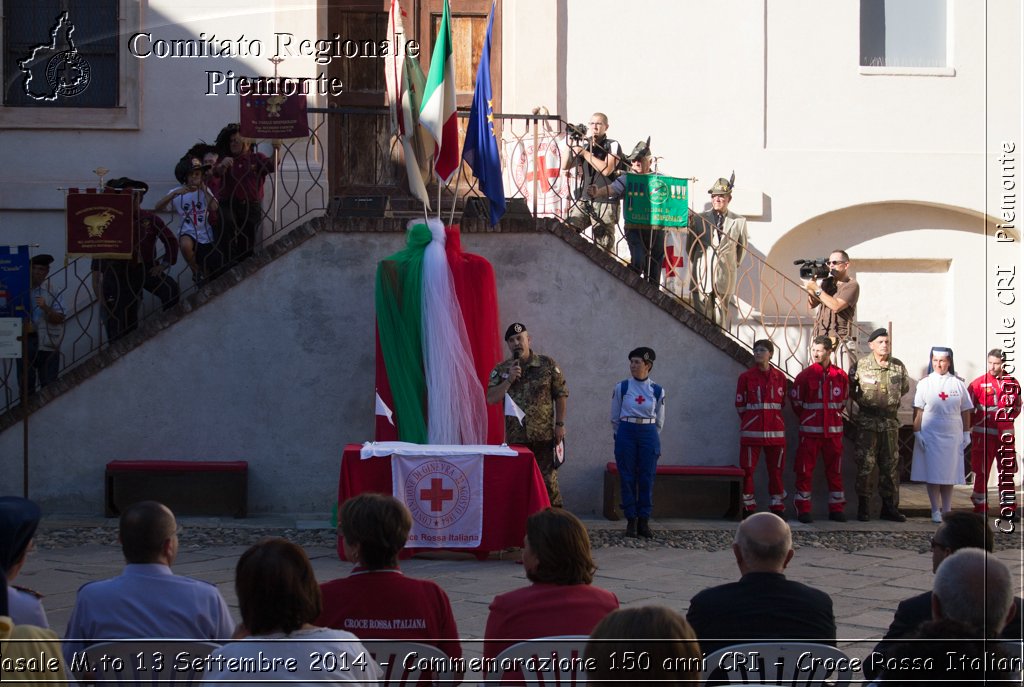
(515, 357)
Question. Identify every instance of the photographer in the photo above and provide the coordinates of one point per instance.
(597, 158)
(835, 302)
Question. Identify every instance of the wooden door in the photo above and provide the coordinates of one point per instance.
(364, 157)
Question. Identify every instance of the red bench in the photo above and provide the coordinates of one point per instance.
(187, 487)
(665, 500)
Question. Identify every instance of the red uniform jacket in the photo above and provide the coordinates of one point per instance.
(818, 396)
(996, 404)
(760, 396)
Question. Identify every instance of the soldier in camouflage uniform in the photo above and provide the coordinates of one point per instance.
(537, 386)
(877, 382)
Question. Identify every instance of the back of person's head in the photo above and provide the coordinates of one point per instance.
(145, 529)
(19, 519)
(276, 587)
(962, 530)
(559, 541)
(763, 543)
(676, 659)
(379, 524)
(976, 588)
(944, 652)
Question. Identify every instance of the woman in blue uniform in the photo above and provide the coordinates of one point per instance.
(638, 414)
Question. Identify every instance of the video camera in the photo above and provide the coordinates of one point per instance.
(576, 132)
(818, 269)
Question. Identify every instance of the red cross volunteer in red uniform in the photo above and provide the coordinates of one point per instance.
(996, 398)
(760, 395)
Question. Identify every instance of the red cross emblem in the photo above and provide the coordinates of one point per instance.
(639, 400)
(436, 495)
(542, 171)
(943, 395)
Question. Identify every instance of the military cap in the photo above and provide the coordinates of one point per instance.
(881, 331)
(513, 329)
(644, 353)
(42, 259)
(722, 187)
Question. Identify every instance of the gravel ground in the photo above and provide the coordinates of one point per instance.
(700, 540)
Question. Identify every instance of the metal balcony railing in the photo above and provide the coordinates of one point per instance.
(765, 304)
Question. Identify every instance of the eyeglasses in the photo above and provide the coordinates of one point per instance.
(837, 262)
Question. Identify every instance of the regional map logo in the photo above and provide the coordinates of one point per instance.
(55, 69)
(438, 494)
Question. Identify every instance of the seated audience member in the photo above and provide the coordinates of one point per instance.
(561, 600)
(279, 599)
(763, 605)
(673, 660)
(943, 653)
(959, 530)
(30, 654)
(147, 601)
(376, 601)
(976, 588)
(19, 519)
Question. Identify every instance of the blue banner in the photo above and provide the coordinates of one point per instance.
(15, 281)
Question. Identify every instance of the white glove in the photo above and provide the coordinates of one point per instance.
(919, 439)
(966, 442)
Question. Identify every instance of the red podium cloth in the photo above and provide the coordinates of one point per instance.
(513, 491)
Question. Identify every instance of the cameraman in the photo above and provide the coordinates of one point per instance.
(597, 158)
(835, 303)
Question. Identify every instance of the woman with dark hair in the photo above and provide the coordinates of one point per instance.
(243, 172)
(673, 659)
(376, 600)
(279, 599)
(638, 414)
(942, 431)
(561, 600)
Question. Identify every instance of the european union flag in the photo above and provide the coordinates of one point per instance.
(481, 147)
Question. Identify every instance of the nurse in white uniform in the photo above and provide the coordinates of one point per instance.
(942, 411)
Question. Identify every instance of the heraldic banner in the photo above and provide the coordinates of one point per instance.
(656, 200)
(445, 496)
(281, 115)
(99, 225)
(15, 284)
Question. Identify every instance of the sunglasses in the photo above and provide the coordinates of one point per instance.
(937, 544)
(836, 262)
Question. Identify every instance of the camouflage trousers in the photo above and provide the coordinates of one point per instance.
(544, 452)
(878, 448)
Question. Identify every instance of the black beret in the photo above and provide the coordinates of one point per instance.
(644, 353)
(513, 329)
(42, 259)
(881, 331)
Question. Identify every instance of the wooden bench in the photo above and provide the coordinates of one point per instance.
(666, 501)
(187, 487)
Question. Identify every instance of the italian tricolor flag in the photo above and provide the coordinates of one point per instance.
(437, 114)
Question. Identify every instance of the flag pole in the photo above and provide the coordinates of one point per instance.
(455, 199)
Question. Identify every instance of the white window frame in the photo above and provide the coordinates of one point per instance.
(126, 115)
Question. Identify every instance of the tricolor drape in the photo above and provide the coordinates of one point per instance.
(437, 340)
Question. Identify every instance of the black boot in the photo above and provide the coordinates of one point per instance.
(837, 516)
(631, 527)
(643, 528)
(891, 512)
(863, 509)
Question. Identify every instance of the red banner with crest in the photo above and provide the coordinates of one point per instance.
(100, 225)
(279, 115)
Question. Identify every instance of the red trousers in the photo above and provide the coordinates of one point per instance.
(986, 448)
(774, 457)
(806, 457)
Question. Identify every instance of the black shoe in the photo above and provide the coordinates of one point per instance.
(780, 513)
(892, 513)
(805, 518)
(837, 516)
(863, 508)
(631, 527)
(643, 529)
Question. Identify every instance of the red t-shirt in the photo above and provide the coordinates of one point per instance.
(545, 610)
(385, 604)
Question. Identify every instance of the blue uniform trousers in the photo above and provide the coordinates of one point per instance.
(637, 449)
